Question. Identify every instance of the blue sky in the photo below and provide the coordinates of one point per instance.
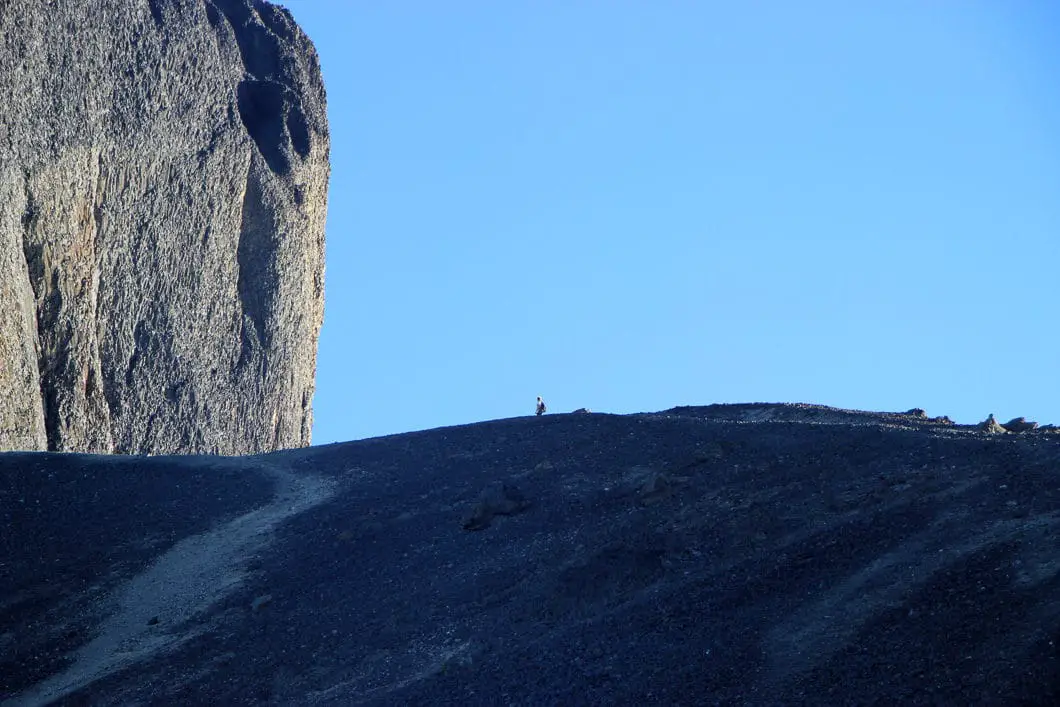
(628, 206)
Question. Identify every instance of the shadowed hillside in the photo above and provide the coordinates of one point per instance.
(755, 554)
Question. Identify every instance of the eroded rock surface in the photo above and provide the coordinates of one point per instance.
(163, 187)
(1020, 424)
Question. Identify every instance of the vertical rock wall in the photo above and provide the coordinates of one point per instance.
(163, 190)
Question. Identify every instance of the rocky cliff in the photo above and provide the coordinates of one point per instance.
(163, 188)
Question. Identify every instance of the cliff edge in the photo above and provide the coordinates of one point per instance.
(163, 192)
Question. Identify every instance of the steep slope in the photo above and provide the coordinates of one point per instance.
(753, 554)
(163, 188)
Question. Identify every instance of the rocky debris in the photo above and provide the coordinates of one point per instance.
(657, 487)
(707, 453)
(805, 413)
(163, 189)
(260, 602)
(648, 485)
(1020, 424)
(879, 561)
(497, 499)
(991, 426)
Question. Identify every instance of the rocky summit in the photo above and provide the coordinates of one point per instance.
(729, 554)
(163, 188)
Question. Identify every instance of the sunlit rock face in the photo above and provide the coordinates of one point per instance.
(163, 189)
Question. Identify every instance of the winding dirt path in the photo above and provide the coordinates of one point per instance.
(154, 611)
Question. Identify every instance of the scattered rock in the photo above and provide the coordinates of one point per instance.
(261, 602)
(916, 412)
(497, 499)
(942, 420)
(703, 455)
(657, 487)
(708, 453)
(991, 426)
(1020, 424)
(577, 583)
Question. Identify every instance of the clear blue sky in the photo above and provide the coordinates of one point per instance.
(633, 205)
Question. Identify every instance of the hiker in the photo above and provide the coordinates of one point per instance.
(540, 405)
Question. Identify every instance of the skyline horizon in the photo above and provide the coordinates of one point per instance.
(650, 206)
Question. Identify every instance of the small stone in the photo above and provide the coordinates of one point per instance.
(657, 487)
(260, 602)
(497, 499)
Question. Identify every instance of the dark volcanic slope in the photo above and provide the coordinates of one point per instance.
(756, 554)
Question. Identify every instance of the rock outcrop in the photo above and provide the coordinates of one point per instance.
(1020, 424)
(991, 426)
(163, 189)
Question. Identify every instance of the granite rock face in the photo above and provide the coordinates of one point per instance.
(163, 191)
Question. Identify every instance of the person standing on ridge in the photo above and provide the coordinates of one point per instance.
(540, 405)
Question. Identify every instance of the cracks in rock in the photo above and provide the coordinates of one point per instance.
(91, 383)
(175, 391)
(32, 251)
(275, 121)
(215, 139)
(156, 13)
(250, 346)
(45, 307)
(277, 427)
(267, 98)
(278, 19)
(258, 47)
(31, 262)
(52, 421)
(256, 262)
(298, 131)
(213, 16)
(29, 215)
(262, 106)
(95, 366)
(151, 432)
(140, 344)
